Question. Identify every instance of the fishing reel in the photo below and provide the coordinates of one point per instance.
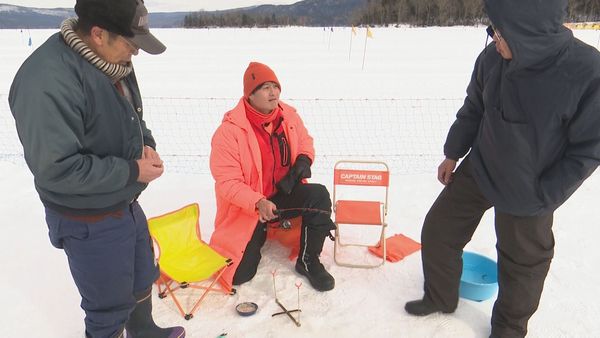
(284, 223)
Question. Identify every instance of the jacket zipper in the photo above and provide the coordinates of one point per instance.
(135, 112)
(274, 159)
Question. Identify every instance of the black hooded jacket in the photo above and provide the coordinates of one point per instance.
(532, 124)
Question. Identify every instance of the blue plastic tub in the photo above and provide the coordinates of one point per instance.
(479, 279)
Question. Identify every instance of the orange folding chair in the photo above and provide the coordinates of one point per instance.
(360, 201)
(185, 261)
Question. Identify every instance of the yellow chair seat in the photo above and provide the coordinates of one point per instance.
(183, 258)
(192, 263)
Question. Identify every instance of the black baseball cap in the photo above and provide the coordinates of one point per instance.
(128, 18)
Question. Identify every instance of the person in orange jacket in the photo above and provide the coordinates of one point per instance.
(260, 157)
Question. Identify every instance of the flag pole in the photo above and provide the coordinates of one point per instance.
(350, 51)
(29, 42)
(365, 50)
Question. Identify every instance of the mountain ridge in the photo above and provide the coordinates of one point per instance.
(310, 12)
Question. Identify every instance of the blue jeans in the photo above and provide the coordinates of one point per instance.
(110, 259)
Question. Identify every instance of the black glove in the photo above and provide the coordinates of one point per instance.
(300, 170)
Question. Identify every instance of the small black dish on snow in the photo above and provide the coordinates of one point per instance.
(246, 309)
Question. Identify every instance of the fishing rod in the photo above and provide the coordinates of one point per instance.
(285, 223)
(318, 211)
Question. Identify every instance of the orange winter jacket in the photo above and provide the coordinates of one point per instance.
(236, 166)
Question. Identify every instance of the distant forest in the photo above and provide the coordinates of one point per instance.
(449, 13)
(239, 19)
(385, 12)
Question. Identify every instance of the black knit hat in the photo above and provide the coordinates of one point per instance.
(128, 18)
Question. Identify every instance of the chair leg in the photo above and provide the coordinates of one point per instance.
(208, 289)
(172, 294)
(384, 242)
(161, 292)
(338, 245)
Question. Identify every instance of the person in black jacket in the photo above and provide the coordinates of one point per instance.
(78, 112)
(531, 127)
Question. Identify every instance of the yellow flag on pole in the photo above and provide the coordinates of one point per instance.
(354, 30)
(367, 36)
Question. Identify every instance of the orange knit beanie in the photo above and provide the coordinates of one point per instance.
(256, 74)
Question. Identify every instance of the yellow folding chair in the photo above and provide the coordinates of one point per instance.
(360, 200)
(184, 259)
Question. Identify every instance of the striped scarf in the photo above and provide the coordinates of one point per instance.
(114, 71)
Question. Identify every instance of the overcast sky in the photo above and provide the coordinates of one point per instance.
(160, 5)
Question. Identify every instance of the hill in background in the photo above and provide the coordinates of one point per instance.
(303, 13)
(308, 12)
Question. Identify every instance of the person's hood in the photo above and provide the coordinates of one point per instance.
(237, 116)
(533, 29)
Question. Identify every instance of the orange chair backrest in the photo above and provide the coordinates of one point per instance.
(374, 178)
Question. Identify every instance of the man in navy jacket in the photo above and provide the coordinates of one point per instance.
(531, 127)
(79, 116)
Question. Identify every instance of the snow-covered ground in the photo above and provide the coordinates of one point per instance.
(40, 299)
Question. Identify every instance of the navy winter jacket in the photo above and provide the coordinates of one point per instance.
(532, 124)
(80, 136)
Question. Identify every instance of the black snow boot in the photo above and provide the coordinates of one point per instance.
(118, 335)
(141, 324)
(422, 307)
(308, 264)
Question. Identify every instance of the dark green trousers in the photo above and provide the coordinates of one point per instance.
(525, 247)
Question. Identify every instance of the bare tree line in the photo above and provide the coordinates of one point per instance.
(239, 19)
(386, 12)
(584, 10)
(450, 12)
